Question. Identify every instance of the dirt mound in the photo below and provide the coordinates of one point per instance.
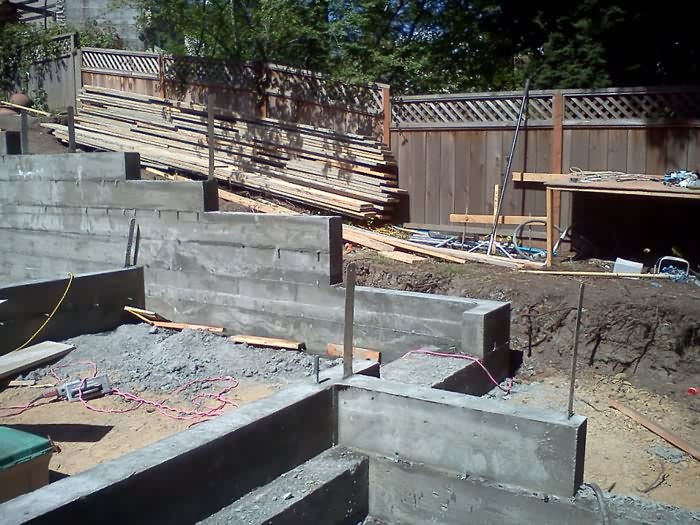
(647, 330)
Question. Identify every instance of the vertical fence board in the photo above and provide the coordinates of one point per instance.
(461, 178)
(656, 151)
(418, 178)
(617, 150)
(580, 144)
(636, 151)
(433, 177)
(447, 176)
(477, 172)
(676, 140)
(598, 149)
(694, 149)
(494, 166)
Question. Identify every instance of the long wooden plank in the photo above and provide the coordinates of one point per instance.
(336, 350)
(356, 237)
(599, 274)
(269, 342)
(461, 218)
(31, 357)
(657, 429)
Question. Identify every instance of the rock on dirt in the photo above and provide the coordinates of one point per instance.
(135, 357)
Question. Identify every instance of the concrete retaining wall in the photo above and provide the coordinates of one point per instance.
(464, 435)
(93, 303)
(265, 275)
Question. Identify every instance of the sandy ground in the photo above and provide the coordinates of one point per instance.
(621, 455)
(87, 438)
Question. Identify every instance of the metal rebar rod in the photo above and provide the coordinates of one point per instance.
(574, 355)
(504, 178)
(350, 277)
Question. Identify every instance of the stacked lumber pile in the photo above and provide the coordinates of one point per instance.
(346, 174)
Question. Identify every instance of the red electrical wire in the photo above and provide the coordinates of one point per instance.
(469, 358)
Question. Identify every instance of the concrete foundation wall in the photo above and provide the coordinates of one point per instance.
(464, 435)
(77, 166)
(93, 303)
(267, 275)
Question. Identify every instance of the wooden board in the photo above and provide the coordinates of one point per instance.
(488, 219)
(408, 258)
(31, 357)
(357, 237)
(269, 342)
(657, 429)
(336, 350)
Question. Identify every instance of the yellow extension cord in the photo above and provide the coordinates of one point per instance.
(58, 305)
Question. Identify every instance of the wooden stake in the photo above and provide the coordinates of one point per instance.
(350, 277)
(71, 129)
(210, 134)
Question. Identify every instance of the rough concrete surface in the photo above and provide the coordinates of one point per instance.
(283, 499)
(138, 357)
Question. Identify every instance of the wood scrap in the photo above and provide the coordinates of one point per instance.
(404, 257)
(268, 342)
(159, 321)
(336, 350)
(31, 357)
(600, 274)
(657, 429)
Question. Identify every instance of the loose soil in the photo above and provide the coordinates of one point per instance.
(648, 330)
(622, 456)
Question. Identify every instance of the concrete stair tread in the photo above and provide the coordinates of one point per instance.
(333, 485)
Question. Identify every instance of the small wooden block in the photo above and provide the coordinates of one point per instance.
(335, 350)
(270, 342)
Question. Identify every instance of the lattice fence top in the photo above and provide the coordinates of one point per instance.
(468, 110)
(653, 105)
(605, 107)
(121, 62)
(275, 81)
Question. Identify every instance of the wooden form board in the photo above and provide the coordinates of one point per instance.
(404, 257)
(488, 219)
(336, 350)
(270, 342)
(31, 357)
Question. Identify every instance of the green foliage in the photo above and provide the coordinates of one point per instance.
(20, 46)
(95, 34)
(421, 46)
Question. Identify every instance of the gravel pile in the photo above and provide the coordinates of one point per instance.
(140, 357)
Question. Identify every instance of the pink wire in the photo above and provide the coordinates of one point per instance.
(469, 358)
(201, 414)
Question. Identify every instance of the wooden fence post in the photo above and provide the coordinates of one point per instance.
(386, 110)
(161, 75)
(556, 157)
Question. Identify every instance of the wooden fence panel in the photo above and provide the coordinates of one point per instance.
(633, 130)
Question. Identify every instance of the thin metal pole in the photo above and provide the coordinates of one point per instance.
(506, 174)
(71, 129)
(24, 132)
(574, 356)
(317, 366)
(210, 133)
(350, 277)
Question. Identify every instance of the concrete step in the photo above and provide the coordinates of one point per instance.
(331, 488)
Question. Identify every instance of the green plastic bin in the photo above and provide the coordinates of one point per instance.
(24, 462)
